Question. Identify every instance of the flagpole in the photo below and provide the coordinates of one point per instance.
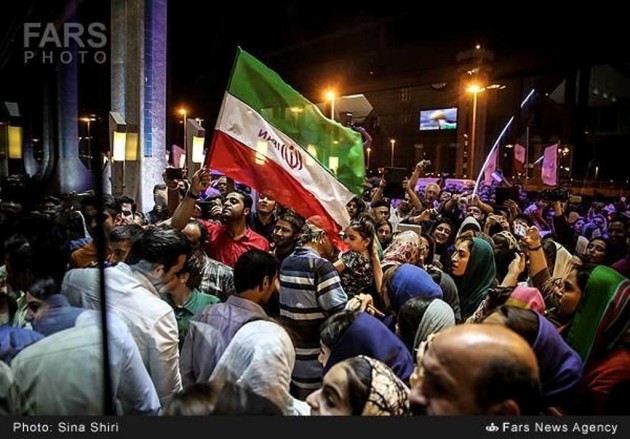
(529, 95)
(496, 144)
(483, 168)
(526, 153)
(558, 164)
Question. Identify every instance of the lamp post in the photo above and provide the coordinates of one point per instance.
(88, 121)
(330, 95)
(393, 142)
(369, 150)
(474, 89)
(184, 112)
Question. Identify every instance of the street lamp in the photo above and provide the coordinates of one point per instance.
(330, 95)
(393, 142)
(196, 138)
(475, 89)
(118, 145)
(369, 150)
(88, 121)
(184, 112)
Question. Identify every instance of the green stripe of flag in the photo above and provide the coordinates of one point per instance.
(331, 144)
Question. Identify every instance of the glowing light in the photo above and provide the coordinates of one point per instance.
(261, 151)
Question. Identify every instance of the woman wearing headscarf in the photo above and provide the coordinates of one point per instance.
(559, 365)
(404, 249)
(473, 270)
(421, 317)
(405, 282)
(598, 251)
(443, 232)
(598, 331)
(521, 296)
(562, 262)
(591, 308)
(444, 280)
(505, 247)
(260, 358)
(350, 333)
(360, 386)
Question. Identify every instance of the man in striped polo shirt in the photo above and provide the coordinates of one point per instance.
(310, 291)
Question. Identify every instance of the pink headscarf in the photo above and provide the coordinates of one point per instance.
(527, 298)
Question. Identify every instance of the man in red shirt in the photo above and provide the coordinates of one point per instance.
(232, 238)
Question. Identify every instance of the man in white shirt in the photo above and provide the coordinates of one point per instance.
(62, 374)
(132, 293)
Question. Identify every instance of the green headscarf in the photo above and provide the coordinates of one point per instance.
(603, 314)
(478, 278)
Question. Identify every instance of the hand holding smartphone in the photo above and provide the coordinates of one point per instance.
(519, 230)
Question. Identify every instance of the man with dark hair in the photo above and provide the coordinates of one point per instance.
(222, 185)
(380, 210)
(121, 240)
(227, 241)
(87, 256)
(183, 295)
(216, 278)
(478, 369)
(255, 278)
(159, 212)
(53, 375)
(127, 210)
(264, 219)
(12, 339)
(286, 234)
(132, 290)
(36, 250)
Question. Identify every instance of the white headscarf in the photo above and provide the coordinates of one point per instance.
(563, 264)
(437, 316)
(260, 358)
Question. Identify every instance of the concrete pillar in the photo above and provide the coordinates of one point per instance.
(138, 93)
(70, 174)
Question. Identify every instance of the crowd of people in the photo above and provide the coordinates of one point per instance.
(220, 301)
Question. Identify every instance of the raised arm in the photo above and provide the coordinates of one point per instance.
(199, 183)
(417, 172)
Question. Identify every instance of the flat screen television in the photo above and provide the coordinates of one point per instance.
(438, 119)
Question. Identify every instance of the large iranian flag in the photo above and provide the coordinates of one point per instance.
(271, 138)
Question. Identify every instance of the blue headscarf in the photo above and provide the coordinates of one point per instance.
(410, 281)
(369, 336)
(560, 366)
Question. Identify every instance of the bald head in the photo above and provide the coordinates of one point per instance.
(432, 192)
(478, 370)
(484, 343)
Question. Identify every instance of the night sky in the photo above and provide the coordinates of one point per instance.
(300, 40)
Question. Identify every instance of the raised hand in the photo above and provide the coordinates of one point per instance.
(200, 181)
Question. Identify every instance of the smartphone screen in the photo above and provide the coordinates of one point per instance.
(519, 230)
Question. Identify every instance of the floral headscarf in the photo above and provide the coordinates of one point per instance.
(388, 394)
(404, 249)
(509, 238)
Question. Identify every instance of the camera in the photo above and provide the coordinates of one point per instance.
(555, 194)
(174, 173)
